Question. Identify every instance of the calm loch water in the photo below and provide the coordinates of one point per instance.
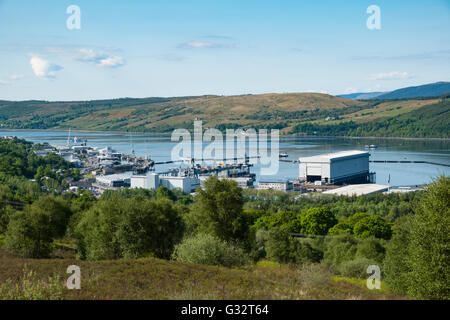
(159, 147)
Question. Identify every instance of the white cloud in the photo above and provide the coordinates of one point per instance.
(43, 68)
(203, 45)
(100, 59)
(394, 75)
(3, 82)
(113, 61)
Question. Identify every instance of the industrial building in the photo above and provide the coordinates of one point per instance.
(337, 168)
(275, 185)
(242, 182)
(154, 181)
(357, 190)
(112, 181)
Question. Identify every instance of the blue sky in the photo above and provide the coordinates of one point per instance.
(177, 48)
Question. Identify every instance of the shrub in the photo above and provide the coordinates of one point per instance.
(371, 248)
(210, 250)
(281, 247)
(356, 268)
(339, 249)
(32, 288)
(314, 275)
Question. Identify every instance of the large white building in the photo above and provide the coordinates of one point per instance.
(154, 181)
(341, 167)
(149, 181)
(187, 184)
(275, 185)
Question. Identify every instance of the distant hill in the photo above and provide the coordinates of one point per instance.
(269, 111)
(422, 91)
(427, 90)
(361, 95)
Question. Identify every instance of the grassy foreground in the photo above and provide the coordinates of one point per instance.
(160, 279)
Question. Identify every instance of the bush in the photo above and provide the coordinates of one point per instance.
(210, 250)
(283, 248)
(339, 249)
(371, 248)
(30, 287)
(356, 268)
(279, 246)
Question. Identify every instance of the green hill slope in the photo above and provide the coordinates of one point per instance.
(154, 279)
(287, 112)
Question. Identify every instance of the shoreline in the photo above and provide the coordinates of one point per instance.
(281, 136)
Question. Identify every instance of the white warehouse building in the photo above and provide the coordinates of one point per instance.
(337, 168)
(154, 181)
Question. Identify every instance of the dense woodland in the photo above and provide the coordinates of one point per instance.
(425, 122)
(407, 235)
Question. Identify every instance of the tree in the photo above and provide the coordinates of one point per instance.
(129, 228)
(279, 246)
(429, 248)
(346, 226)
(29, 233)
(217, 210)
(395, 266)
(282, 247)
(372, 226)
(317, 221)
(58, 211)
(338, 250)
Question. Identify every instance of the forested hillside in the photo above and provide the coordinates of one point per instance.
(292, 113)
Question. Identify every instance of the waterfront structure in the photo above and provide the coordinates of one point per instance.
(275, 185)
(242, 181)
(337, 168)
(149, 181)
(112, 181)
(155, 180)
(357, 190)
